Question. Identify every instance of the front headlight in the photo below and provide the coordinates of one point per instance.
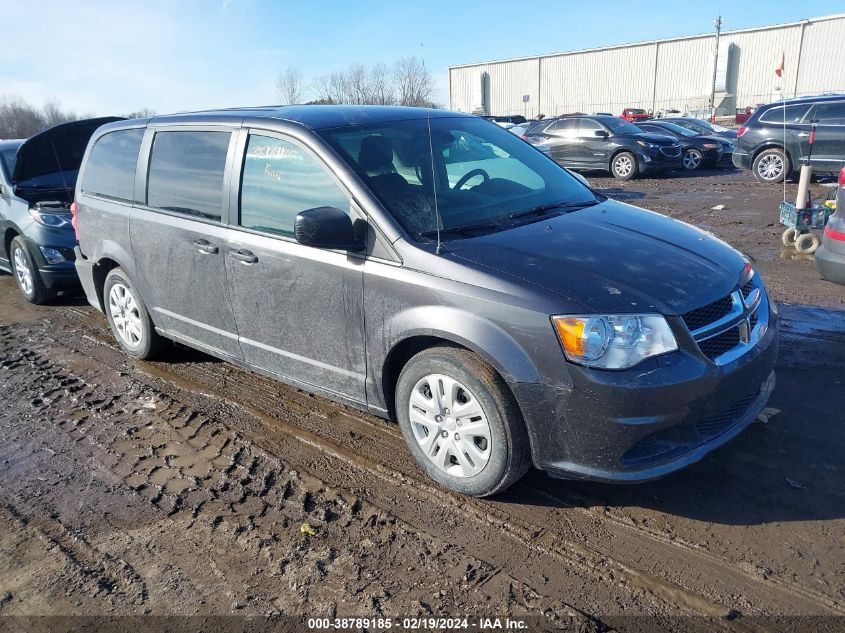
(647, 144)
(613, 341)
(55, 220)
(711, 146)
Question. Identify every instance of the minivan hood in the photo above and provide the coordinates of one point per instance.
(58, 149)
(613, 258)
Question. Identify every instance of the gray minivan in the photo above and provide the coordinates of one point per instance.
(429, 267)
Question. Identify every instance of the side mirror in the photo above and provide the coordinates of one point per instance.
(601, 133)
(325, 227)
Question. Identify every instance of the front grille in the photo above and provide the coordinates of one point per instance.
(728, 324)
(747, 288)
(719, 344)
(714, 425)
(706, 315)
(667, 443)
(671, 150)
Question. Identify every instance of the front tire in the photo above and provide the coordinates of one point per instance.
(26, 273)
(461, 423)
(771, 166)
(624, 166)
(128, 317)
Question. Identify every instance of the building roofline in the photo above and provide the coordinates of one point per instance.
(837, 16)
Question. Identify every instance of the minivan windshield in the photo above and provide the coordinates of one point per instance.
(8, 157)
(475, 175)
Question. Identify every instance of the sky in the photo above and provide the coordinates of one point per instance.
(117, 57)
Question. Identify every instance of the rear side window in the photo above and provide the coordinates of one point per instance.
(111, 164)
(794, 114)
(830, 113)
(280, 179)
(186, 173)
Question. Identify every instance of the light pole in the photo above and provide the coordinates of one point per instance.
(718, 25)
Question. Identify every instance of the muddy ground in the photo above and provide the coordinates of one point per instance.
(182, 486)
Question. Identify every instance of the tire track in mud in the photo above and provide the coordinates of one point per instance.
(199, 471)
(376, 446)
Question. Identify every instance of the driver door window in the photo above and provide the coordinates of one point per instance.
(281, 179)
(587, 128)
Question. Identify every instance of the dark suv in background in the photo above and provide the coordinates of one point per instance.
(760, 142)
(605, 143)
(37, 179)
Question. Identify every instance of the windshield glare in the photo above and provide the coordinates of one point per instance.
(620, 126)
(677, 129)
(8, 158)
(481, 174)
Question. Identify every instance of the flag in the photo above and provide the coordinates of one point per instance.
(779, 69)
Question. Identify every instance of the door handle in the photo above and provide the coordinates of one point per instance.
(802, 134)
(243, 255)
(204, 246)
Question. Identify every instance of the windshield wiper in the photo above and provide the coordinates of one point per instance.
(460, 230)
(545, 208)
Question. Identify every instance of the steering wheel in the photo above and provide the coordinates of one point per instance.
(471, 174)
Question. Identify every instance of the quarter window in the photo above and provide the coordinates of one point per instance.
(111, 165)
(831, 113)
(280, 179)
(794, 114)
(186, 173)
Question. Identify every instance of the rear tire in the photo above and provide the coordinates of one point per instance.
(624, 166)
(771, 166)
(128, 317)
(692, 160)
(26, 273)
(444, 392)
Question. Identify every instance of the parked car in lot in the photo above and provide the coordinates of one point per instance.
(503, 312)
(830, 256)
(635, 114)
(37, 177)
(704, 127)
(607, 143)
(513, 119)
(698, 151)
(760, 143)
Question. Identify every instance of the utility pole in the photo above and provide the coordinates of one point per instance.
(718, 25)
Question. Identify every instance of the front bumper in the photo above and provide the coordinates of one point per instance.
(656, 161)
(830, 265)
(648, 421)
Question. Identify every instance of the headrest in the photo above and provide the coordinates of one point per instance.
(376, 154)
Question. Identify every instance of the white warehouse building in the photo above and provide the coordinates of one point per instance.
(675, 73)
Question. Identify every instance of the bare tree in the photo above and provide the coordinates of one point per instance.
(289, 84)
(54, 115)
(414, 84)
(381, 86)
(143, 113)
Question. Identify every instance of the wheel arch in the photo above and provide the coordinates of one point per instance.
(9, 234)
(476, 335)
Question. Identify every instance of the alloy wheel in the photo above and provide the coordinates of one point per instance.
(770, 167)
(623, 165)
(125, 315)
(692, 160)
(23, 272)
(450, 425)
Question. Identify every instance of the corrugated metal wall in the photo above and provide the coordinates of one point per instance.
(665, 74)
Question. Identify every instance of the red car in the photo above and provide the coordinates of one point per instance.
(635, 114)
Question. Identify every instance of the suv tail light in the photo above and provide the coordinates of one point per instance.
(73, 210)
(742, 130)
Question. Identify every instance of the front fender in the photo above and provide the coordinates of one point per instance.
(479, 334)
